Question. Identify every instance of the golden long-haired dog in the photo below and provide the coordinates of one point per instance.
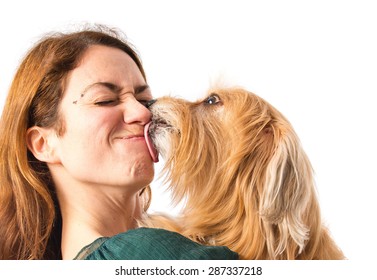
(246, 180)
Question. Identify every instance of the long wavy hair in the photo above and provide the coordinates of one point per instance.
(247, 183)
(30, 219)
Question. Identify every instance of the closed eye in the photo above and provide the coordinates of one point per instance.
(106, 102)
(144, 102)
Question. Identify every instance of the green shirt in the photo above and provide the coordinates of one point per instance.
(152, 244)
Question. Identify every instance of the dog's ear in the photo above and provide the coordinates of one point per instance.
(287, 190)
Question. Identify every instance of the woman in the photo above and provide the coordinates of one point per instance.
(74, 161)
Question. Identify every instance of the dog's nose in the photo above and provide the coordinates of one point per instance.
(150, 103)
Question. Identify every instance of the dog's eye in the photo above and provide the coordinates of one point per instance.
(213, 100)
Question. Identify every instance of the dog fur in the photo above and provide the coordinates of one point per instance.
(246, 181)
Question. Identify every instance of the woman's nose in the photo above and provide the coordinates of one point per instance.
(136, 112)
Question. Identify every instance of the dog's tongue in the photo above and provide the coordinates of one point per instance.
(151, 148)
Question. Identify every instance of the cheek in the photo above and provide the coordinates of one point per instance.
(92, 124)
(78, 151)
(85, 137)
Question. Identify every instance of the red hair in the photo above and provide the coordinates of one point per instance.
(29, 213)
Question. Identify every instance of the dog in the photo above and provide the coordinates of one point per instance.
(246, 181)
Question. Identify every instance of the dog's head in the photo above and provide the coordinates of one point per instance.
(233, 155)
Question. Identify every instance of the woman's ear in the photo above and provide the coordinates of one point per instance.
(42, 143)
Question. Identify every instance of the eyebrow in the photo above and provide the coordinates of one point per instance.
(141, 88)
(114, 88)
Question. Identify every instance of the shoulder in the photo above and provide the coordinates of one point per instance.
(153, 244)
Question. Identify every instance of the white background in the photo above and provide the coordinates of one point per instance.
(316, 61)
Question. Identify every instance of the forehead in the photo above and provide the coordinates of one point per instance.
(104, 64)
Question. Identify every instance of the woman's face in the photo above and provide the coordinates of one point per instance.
(104, 115)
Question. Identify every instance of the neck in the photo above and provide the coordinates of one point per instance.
(90, 212)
